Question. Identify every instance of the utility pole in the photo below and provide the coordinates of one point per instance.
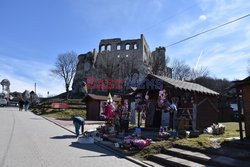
(35, 87)
(239, 100)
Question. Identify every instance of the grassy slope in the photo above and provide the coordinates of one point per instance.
(203, 142)
(76, 108)
(60, 114)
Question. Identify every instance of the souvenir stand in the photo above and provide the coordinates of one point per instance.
(179, 106)
(116, 126)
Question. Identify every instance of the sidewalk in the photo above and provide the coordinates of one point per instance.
(68, 124)
(92, 125)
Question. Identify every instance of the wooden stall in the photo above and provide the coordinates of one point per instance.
(243, 92)
(94, 105)
(186, 95)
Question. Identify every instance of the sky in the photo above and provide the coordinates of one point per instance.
(34, 32)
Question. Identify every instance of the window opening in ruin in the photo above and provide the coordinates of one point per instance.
(126, 55)
(127, 46)
(108, 47)
(135, 46)
(118, 56)
(102, 48)
(118, 47)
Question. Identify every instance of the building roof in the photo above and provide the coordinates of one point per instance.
(184, 85)
(100, 98)
(243, 82)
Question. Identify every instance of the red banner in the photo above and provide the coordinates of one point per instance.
(60, 105)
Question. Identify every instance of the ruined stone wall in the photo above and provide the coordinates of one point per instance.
(158, 63)
(119, 48)
(85, 68)
(118, 58)
(146, 51)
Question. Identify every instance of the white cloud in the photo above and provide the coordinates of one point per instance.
(202, 17)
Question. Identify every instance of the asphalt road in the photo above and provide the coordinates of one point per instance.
(27, 140)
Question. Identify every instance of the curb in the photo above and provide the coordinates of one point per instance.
(122, 155)
(58, 124)
(115, 151)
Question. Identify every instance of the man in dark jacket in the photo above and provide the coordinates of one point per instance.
(78, 122)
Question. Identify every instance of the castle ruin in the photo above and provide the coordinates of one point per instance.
(118, 58)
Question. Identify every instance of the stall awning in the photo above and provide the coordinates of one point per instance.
(242, 82)
(184, 85)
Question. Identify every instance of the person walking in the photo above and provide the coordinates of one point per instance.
(26, 105)
(78, 122)
(20, 105)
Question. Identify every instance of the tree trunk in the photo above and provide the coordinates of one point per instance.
(67, 91)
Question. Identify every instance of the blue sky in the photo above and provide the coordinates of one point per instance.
(34, 32)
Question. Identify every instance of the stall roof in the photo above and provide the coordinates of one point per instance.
(185, 85)
(101, 98)
(243, 82)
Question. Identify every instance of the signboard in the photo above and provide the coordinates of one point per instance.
(60, 105)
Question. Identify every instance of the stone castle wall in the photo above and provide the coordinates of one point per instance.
(118, 58)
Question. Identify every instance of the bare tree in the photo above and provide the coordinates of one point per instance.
(180, 69)
(131, 70)
(199, 72)
(218, 85)
(105, 64)
(121, 66)
(65, 67)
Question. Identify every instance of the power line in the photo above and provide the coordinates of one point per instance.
(211, 29)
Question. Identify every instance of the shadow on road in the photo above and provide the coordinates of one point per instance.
(93, 148)
(64, 137)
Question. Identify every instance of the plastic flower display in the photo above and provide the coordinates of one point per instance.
(109, 110)
(161, 98)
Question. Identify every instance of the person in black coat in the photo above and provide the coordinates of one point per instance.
(20, 105)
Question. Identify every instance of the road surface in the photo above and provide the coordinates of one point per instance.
(27, 140)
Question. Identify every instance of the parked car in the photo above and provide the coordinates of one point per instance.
(3, 102)
(13, 103)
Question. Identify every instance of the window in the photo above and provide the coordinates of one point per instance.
(118, 47)
(135, 46)
(127, 46)
(108, 47)
(102, 48)
(126, 55)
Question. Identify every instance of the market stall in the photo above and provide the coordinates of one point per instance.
(196, 105)
(94, 105)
